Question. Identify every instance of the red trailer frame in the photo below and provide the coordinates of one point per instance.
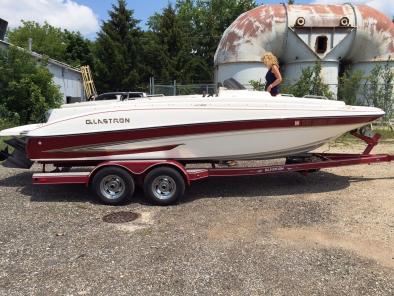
(140, 169)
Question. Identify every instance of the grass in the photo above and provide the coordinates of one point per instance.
(386, 133)
(3, 125)
(2, 144)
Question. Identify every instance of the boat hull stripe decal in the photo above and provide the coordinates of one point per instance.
(39, 147)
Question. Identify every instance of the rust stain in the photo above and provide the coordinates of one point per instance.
(334, 10)
(263, 20)
(377, 23)
(321, 15)
(260, 19)
(248, 26)
(229, 42)
(252, 23)
(320, 9)
(339, 10)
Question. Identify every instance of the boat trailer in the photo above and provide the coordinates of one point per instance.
(163, 181)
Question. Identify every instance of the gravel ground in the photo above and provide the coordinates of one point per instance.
(329, 233)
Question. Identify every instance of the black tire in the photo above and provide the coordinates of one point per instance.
(164, 185)
(113, 185)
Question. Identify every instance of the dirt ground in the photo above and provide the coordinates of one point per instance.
(328, 233)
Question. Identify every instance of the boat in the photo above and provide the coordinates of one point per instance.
(234, 124)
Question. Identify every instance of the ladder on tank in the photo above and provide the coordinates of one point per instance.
(88, 83)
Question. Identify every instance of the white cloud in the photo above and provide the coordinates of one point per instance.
(384, 6)
(66, 14)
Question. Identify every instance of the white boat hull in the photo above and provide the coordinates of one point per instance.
(235, 125)
(250, 144)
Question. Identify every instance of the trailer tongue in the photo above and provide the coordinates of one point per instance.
(164, 181)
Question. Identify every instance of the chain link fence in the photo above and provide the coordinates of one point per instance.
(176, 89)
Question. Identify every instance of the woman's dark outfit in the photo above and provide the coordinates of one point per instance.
(269, 79)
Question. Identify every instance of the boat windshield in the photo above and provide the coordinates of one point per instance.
(233, 84)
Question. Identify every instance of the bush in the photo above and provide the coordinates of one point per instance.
(349, 86)
(378, 89)
(26, 88)
(7, 118)
(257, 84)
(310, 83)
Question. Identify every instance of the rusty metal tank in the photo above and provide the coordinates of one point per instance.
(299, 35)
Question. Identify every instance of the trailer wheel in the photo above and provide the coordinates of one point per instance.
(113, 185)
(164, 185)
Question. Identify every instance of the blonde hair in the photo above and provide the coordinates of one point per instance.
(269, 59)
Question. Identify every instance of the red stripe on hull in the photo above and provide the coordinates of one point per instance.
(39, 147)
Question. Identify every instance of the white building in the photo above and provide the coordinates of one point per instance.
(68, 78)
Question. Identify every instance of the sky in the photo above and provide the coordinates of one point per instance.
(87, 15)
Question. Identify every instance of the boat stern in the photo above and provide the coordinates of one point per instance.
(14, 154)
(15, 157)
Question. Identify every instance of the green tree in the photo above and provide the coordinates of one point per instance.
(66, 46)
(78, 50)
(205, 21)
(47, 39)
(178, 58)
(26, 87)
(118, 49)
(349, 86)
(257, 84)
(309, 83)
(154, 58)
(378, 89)
(7, 118)
(169, 34)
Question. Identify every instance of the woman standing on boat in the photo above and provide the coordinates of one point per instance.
(273, 77)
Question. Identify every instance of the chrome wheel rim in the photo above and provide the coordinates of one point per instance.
(163, 187)
(112, 187)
